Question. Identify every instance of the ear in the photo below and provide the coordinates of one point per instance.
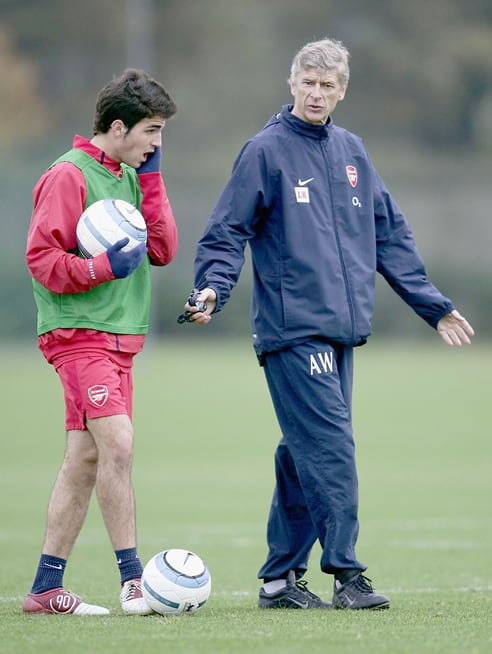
(292, 84)
(343, 90)
(118, 127)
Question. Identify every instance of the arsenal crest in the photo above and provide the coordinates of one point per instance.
(98, 394)
(352, 175)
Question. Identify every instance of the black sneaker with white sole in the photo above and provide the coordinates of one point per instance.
(357, 593)
(294, 595)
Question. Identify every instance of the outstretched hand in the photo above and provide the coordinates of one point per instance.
(455, 329)
(206, 298)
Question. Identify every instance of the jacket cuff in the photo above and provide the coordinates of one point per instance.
(99, 270)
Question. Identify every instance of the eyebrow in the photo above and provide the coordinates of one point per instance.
(156, 125)
(310, 78)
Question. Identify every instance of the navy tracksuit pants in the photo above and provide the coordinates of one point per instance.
(316, 492)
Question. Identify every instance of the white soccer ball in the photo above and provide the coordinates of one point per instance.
(176, 581)
(105, 222)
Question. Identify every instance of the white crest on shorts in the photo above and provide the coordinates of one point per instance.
(98, 394)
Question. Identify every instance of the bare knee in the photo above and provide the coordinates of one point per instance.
(89, 462)
(81, 457)
(120, 454)
(114, 440)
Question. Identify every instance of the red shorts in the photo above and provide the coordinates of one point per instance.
(95, 386)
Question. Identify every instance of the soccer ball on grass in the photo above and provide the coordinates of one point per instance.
(176, 581)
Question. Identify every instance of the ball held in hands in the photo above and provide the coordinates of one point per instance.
(124, 263)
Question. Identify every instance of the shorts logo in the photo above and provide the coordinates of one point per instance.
(352, 175)
(98, 394)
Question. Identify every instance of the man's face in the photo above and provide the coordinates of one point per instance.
(316, 94)
(133, 146)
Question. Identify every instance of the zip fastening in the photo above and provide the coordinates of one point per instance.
(339, 247)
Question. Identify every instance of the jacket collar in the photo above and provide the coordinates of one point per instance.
(306, 129)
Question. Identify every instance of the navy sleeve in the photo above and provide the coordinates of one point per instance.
(220, 252)
(399, 261)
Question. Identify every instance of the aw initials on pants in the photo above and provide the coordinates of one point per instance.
(321, 362)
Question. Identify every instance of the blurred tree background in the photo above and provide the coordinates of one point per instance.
(420, 95)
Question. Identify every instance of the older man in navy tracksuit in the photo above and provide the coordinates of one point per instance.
(320, 223)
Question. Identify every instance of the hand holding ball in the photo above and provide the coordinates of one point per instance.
(124, 263)
(115, 227)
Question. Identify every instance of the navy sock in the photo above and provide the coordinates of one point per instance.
(346, 575)
(129, 564)
(50, 573)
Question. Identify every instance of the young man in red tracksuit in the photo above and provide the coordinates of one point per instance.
(93, 315)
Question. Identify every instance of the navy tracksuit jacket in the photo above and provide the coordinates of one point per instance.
(320, 223)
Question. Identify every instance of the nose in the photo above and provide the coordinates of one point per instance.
(157, 140)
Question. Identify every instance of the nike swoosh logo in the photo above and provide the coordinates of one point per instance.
(56, 567)
(301, 605)
(303, 182)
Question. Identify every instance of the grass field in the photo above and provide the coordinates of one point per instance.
(204, 476)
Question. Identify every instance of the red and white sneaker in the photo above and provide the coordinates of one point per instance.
(132, 600)
(61, 602)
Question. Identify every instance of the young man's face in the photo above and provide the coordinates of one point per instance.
(316, 94)
(133, 146)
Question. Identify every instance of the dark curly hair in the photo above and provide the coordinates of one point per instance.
(130, 98)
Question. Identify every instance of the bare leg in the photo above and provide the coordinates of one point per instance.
(71, 494)
(102, 457)
(114, 440)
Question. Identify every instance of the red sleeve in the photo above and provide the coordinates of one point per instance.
(59, 199)
(162, 232)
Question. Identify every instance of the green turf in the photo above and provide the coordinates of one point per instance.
(203, 477)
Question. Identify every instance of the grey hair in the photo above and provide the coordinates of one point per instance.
(324, 55)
